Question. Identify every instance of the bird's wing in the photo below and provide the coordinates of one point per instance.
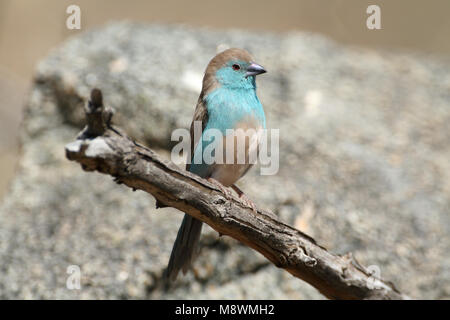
(200, 114)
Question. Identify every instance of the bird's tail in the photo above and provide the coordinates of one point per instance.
(185, 247)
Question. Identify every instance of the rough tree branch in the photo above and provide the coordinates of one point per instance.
(101, 147)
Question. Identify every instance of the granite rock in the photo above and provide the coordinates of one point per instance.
(364, 149)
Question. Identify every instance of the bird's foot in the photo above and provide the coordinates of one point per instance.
(228, 194)
(244, 199)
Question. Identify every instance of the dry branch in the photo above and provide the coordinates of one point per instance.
(101, 147)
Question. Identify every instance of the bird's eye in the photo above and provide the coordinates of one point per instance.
(236, 67)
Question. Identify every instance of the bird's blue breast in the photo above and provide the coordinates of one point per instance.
(226, 108)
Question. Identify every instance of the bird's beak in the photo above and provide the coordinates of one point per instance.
(255, 69)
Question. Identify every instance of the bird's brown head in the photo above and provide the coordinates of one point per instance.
(232, 68)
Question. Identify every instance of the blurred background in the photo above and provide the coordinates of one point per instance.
(364, 167)
(29, 29)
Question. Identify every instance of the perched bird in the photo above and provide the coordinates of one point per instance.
(228, 100)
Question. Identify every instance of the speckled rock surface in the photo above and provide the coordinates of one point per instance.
(364, 149)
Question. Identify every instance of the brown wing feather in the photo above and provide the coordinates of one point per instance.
(200, 114)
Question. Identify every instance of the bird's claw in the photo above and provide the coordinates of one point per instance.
(228, 194)
(244, 199)
(249, 203)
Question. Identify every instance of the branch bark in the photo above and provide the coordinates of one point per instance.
(106, 149)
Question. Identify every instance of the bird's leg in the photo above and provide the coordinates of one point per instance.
(246, 200)
(228, 194)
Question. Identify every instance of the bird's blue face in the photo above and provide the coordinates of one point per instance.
(238, 74)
